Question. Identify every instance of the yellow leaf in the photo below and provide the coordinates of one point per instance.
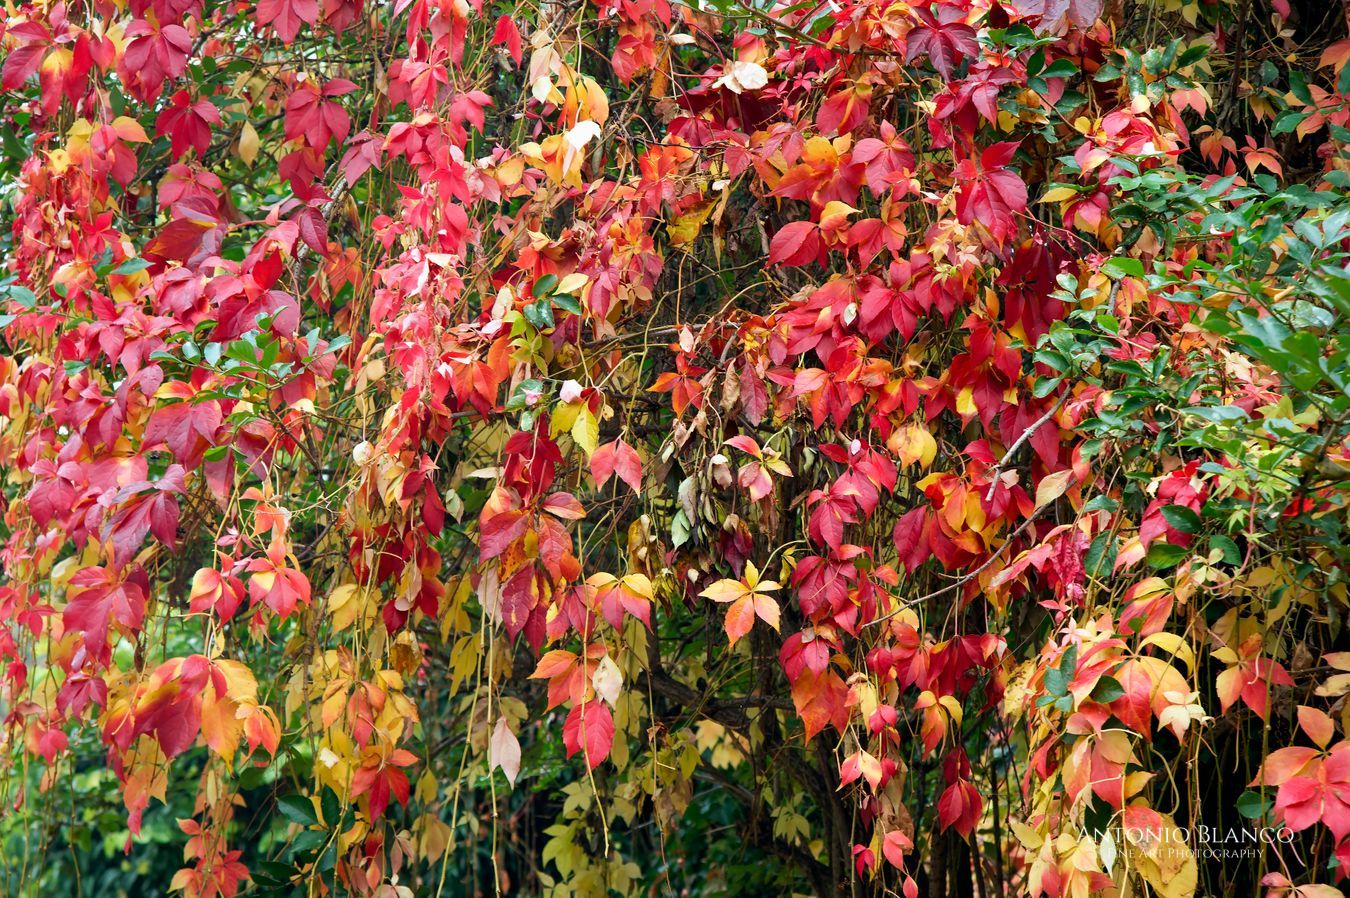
(725, 591)
(586, 431)
(586, 101)
(221, 726)
(564, 417)
(912, 443)
(953, 707)
(638, 584)
(572, 283)
(1163, 858)
(835, 214)
(435, 836)
(1174, 645)
(965, 403)
(1016, 693)
(129, 129)
(248, 144)
(147, 774)
(685, 228)
(240, 684)
(766, 609)
(1029, 837)
(349, 603)
(1059, 195)
(1052, 486)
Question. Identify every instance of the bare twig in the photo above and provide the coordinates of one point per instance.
(1017, 444)
(966, 578)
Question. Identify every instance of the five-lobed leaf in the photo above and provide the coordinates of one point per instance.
(748, 600)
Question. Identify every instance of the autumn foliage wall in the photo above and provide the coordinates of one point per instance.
(858, 447)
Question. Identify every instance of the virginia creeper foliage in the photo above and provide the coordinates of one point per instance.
(857, 447)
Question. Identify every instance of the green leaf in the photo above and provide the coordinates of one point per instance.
(1101, 556)
(1231, 553)
(1123, 266)
(131, 266)
(540, 314)
(1046, 385)
(297, 809)
(338, 343)
(272, 873)
(1252, 805)
(1191, 55)
(310, 840)
(1288, 122)
(1165, 555)
(1107, 690)
(1181, 518)
(544, 286)
(1101, 503)
(22, 295)
(679, 529)
(1060, 68)
(1298, 86)
(1057, 678)
(332, 807)
(1216, 413)
(1056, 684)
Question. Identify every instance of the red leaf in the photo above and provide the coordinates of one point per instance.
(844, 110)
(20, 64)
(1056, 15)
(148, 508)
(799, 653)
(286, 15)
(894, 846)
(796, 244)
(153, 57)
(959, 807)
(187, 124)
(565, 506)
(363, 153)
(313, 118)
(187, 428)
(567, 678)
(470, 108)
(518, 599)
(277, 585)
(909, 538)
(498, 532)
(380, 782)
(820, 700)
(945, 39)
(1282, 765)
(589, 729)
(507, 33)
(989, 193)
(98, 598)
(313, 229)
(617, 458)
(833, 509)
(192, 228)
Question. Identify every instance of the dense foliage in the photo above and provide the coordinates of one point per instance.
(608, 446)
